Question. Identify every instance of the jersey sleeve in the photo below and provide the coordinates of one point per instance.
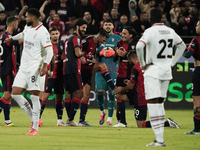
(134, 75)
(85, 44)
(45, 40)
(177, 38)
(76, 42)
(194, 45)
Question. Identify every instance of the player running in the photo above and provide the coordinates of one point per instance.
(155, 51)
(91, 66)
(105, 54)
(56, 80)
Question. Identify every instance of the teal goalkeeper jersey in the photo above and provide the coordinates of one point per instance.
(110, 43)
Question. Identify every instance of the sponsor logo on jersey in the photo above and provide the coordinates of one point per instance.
(112, 39)
(78, 40)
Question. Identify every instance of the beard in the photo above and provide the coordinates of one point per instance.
(80, 32)
(29, 23)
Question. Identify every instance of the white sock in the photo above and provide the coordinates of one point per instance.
(24, 104)
(35, 111)
(109, 119)
(59, 121)
(103, 112)
(7, 121)
(155, 120)
(161, 112)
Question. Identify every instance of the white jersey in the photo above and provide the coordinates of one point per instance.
(35, 40)
(160, 41)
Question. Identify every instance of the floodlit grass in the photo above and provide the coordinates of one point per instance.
(99, 137)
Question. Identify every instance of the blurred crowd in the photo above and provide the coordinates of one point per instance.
(181, 15)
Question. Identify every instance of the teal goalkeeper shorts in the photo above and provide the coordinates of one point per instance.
(100, 82)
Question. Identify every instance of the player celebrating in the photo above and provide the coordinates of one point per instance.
(158, 42)
(124, 71)
(72, 71)
(90, 67)
(36, 55)
(7, 67)
(134, 93)
(56, 80)
(193, 50)
(105, 54)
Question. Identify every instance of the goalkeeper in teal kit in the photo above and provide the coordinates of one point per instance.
(105, 55)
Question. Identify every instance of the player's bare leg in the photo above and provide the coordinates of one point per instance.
(84, 105)
(59, 109)
(196, 118)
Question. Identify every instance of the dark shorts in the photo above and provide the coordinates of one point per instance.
(56, 83)
(196, 82)
(130, 95)
(7, 81)
(86, 76)
(120, 82)
(140, 112)
(73, 82)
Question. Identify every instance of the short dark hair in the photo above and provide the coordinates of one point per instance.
(131, 30)
(54, 28)
(34, 12)
(155, 15)
(11, 20)
(103, 33)
(108, 20)
(80, 22)
(132, 54)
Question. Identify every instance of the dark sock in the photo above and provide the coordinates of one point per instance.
(148, 124)
(7, 111)
(100, 100)
(196, 120)
(75, 105)
(122, 112)
(42, 108)
(108, 79)
(166, 124)
(2, 104)
(59, 109)
(68, 106)
(117, 113)
(84, 108)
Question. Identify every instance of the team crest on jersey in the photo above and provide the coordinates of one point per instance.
(61, 47)
(83, 41)
(113, 39)
(78, 40)
(132, 47)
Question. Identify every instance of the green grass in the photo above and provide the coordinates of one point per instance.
(93, 138)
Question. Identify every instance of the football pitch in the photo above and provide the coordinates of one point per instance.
(99, 137)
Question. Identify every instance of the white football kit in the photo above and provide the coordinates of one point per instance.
(33, 55)
(159, 41)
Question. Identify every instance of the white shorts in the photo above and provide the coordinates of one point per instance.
(29, 80)
(155, 88)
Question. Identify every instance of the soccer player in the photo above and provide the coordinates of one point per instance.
(193, 50)
(7, 67)
(56, 80)
(155, 51)
(101, 84)
(128, 42)
(72, 71)
(36, 55)
(91, 66)
(134, 93)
